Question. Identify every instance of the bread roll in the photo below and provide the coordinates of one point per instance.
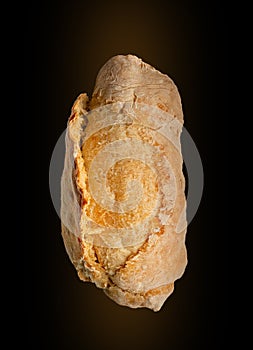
(122, 189)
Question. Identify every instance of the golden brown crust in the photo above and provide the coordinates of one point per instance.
(153, 299)
(136, 264)
(128, 78)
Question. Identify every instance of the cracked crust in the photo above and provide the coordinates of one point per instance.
(138, 273)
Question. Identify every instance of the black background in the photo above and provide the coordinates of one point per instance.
(64, 44)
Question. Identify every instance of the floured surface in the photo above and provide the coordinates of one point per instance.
(123, 187)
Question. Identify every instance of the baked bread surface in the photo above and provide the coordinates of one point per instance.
(122, 189)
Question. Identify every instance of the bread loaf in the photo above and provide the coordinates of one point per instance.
(122, 189)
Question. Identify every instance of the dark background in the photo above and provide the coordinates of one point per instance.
(64, 44)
